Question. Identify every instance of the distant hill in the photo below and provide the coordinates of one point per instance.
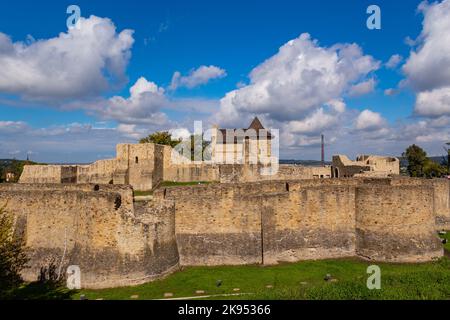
(307, 163)
(14, 166)
(437, 159)
(403, 161)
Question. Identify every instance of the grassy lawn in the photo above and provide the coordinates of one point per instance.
(303, 280)
(138, 193)
(176, 184)
(447, 245)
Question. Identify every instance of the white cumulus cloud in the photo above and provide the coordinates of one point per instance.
(142, 106)
(197, 77)
(300, 78)
(433, 102)
(428, 66)
(394, 61)
(362, 88)
(368, 120)
(80, 63)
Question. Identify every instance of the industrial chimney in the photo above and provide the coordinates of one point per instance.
(323, 151)
(448, 158)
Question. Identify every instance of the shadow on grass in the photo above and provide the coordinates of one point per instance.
(39, 291)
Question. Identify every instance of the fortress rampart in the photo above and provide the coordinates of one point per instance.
(270, 222)
(117, 241)
(145, 166)
(98, 228)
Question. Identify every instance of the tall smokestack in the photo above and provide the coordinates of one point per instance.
(323, 150)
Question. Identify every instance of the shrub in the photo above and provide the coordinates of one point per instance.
(13, 258)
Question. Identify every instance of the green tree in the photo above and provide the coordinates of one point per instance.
(161, 137)
(433, 169)
(13, 257)
(419, 165)
(417, 158)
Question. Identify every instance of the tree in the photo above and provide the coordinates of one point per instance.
(160, 137)
(417, 158)
(199, 152)
(13, 257)
(419, 165)
(433, 169)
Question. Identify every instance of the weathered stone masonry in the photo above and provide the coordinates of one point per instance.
(114, 242)
(271, 222)
(117, 242)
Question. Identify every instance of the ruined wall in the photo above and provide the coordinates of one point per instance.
(254, 173)
(140, 165)
(262, 223)
(388, 165)
(365, 166)
(218, 224)
(276, 221)
(441, 197)
(145, 166)
(101, 171)
(310, 223)
(192, 172)
(179, 169)
(296, 172)
(95, 227)
(138, 161)
(41, 174)
(118, 242)
(212, 231)
(396, 223)
(442, 202)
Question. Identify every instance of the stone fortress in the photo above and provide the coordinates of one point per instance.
(88, 216)
(145, 166)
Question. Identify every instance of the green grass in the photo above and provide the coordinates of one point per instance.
(38, 291)
(303, 280)
(446, 236)
(176, 184)
(138, 193)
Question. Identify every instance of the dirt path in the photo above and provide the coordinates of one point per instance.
(207, 296)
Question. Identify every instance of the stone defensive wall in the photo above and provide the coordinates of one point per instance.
(97, 227)
(49, 174)
(145, 166)
(101, 171)
(255, 173)
(117, 241)
(392, 220)
(441, 200)
(237, 173)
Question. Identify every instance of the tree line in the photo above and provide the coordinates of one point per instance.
(13, 166)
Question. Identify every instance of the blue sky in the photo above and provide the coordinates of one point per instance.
(229, 39)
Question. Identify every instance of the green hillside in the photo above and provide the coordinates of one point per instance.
(14, 166)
